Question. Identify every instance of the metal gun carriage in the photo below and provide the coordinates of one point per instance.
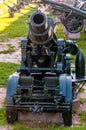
(45, 81)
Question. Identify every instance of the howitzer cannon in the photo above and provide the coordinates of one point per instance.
(45, 81)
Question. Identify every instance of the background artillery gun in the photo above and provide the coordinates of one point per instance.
(15, 8)
(11, 11)
(82, 5)
(18, 6)
(45, 81)
(71, 16)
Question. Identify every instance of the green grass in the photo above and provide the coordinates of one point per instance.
(80, 42)
(83, 100)
(20, 127)
(2, 117)
(16, 29)
(6, 69)
(9, 50)
(83, 117)
(45, 126)
(17, 26)
(28, 126)
(82, 90)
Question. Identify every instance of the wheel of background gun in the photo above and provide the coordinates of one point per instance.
(67, 117)
(11, 115)
(73, 23)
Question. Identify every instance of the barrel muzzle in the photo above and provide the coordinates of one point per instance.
(40, 31)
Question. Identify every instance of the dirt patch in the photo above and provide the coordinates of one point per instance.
(76, 119)
(2, 96)
(3, 47)
(14, 57)
(6, 127)
(83, 94)
(82, 107)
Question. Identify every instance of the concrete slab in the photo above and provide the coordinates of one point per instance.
(55, 118)
(46, 117)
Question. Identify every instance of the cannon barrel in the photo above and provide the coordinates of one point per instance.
(77, 11)
(40, 31)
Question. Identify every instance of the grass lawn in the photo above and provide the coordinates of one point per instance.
(17, 26)
(6, 69)
(2, 117)
(80, 42)
(46, 127)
